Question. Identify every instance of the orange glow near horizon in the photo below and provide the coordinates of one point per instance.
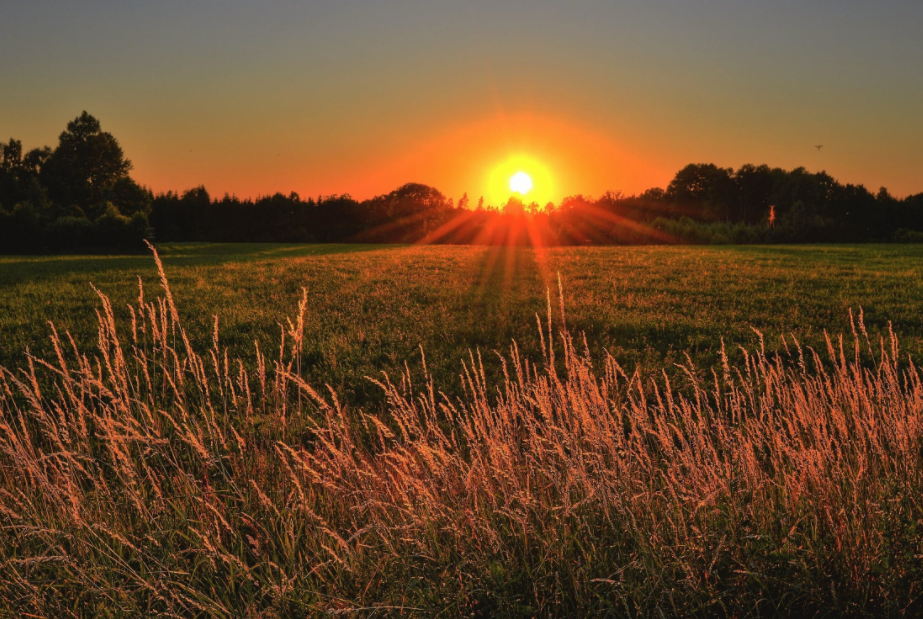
(477, 157)
(480, 158)
(523, 175)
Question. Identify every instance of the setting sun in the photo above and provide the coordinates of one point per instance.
(521, 183)
(522, 176)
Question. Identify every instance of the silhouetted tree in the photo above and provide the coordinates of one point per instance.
(80, 195)
(11, 159)
(514, 206)
(35, 160)
(87, 162)
(754, 192)
(129, 197)
(705, 189)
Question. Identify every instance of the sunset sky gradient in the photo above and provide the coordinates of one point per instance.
(360, 96)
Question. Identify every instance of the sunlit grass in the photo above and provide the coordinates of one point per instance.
(157, 477)
(372, 307)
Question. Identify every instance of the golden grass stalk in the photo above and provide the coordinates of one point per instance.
(145, 481)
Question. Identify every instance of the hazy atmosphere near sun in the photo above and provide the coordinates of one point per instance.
(359, 96)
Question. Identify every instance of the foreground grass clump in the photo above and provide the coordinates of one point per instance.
(151, 479)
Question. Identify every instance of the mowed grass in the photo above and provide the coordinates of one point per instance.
(371, 308)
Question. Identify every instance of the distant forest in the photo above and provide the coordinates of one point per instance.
(80, 196)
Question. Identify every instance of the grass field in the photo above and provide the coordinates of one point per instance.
(370, 308)
(150, 473)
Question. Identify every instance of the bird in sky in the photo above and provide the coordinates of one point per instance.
(818, 147)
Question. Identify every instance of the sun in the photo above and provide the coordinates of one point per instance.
(520, 175)
(521, 183)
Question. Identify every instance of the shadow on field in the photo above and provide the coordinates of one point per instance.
(215, 253)
(40, 268)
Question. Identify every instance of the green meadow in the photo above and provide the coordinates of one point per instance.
(157, 473)
(372, 308)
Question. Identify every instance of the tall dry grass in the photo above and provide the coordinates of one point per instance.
(151, 479)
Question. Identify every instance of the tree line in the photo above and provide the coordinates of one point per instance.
(80, 196)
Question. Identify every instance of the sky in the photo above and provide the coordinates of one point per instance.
(361, 96)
